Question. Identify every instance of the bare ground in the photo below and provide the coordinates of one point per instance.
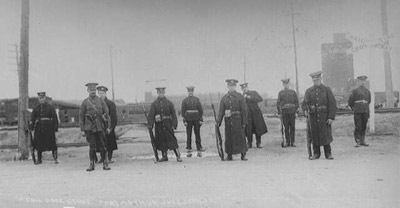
(272, 177)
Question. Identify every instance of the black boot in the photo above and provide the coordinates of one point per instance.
(91, 166)
(328, 152)
(55, 156)
(39, 156)
(243, 156)
(178, 155)
(164, 156)
(363, 143)
(92, 154)
(317, 153)
(110, 153)
(104, 157)
(229, 157)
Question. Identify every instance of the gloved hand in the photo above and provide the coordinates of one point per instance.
(218, 124)
(201, 123)
(185, 123)
(83, 134)
(243, 126)
(329, 122)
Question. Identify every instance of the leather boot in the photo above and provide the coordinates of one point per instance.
(110, 157)
(315, 156)
(363, 140)
(229, 157)
(178, 155)
(55, 156)
(328, 156)
(91, 166)
(92, 154)
(243, 156)
(164, 156)
(39, 160)
(104, 157)
(259, 146)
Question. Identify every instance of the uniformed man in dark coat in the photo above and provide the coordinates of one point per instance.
(256, 124)
(233, 108)
(44, 123)
(287, 105)
(359, 101)
(162, 115)
(111, 139)
(92, 116)
(192, 114)
(320, 106)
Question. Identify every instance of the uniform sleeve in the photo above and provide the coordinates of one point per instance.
(151, 115)
(243, 108)
(82, 113)
(221, 111)
(332, 104)
(33, 120)
(200, 111)
(350, 102)
(296, 100)
(369, 97)
(113, 115)
(173, 114)
(183, 110)
(306, 101)
(278, 103)
(106, 112)
(54, 119)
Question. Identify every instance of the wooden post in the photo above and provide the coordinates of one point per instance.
(23, 82)
(294, 49)
(386, 58)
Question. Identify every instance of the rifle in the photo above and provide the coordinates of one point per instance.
(282, 132)
(30, 137)
(217, 134)
(151, 134)
(309, 133)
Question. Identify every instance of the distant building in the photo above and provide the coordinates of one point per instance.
(337, 64)
(68, 113)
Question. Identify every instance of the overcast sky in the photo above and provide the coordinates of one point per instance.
(186, 42)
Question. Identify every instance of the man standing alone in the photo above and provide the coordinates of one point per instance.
(359, 101)
(192, 114)
(287, 105)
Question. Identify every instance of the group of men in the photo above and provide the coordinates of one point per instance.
(240, 112)
(97, 120)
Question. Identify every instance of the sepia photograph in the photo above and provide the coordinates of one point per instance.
(199, 103)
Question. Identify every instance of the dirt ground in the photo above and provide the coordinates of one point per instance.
(272, 177)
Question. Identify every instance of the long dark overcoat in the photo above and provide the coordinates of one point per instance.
(256, 124)
(44, 122)
(162, 113)
(111, 138)
(233, 108)
(321, 104)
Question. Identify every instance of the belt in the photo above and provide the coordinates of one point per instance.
(166, 117)
(192, 111)
(45, 119)
(288, 105)
(235, 112)
(319, 107)
(361, 101)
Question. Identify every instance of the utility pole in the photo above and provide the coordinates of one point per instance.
(294, 48)
(244, 70)
(112, 74)
(386, 58)
(23, 77)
